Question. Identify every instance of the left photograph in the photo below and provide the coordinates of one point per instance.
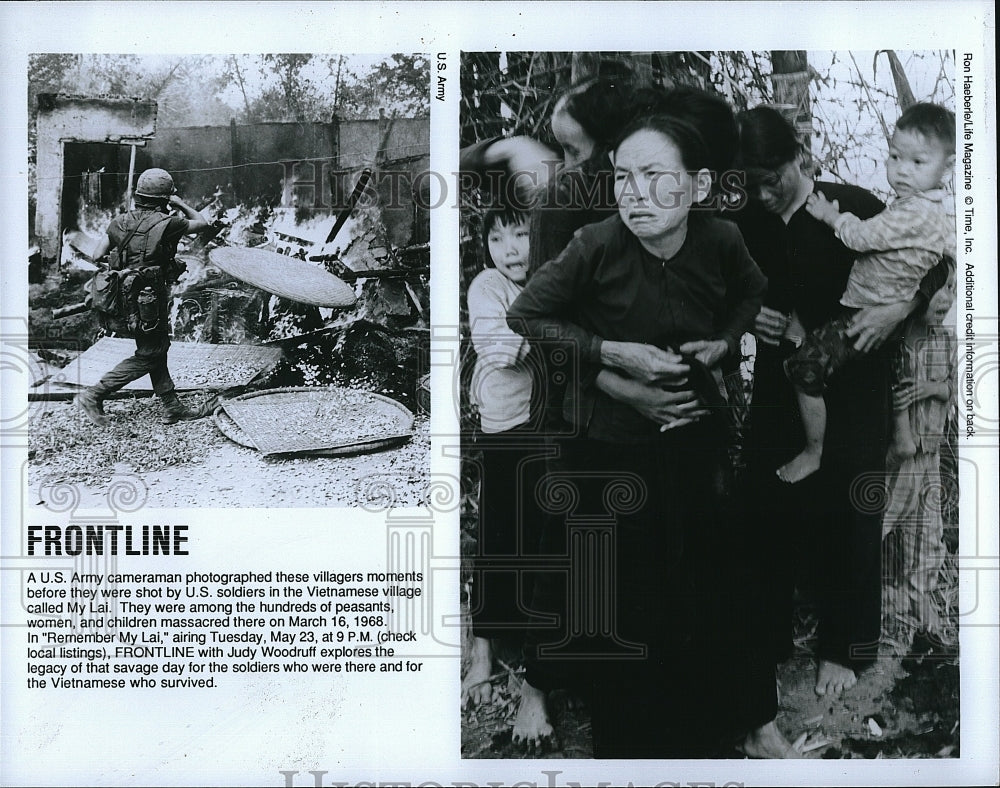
(229, 273)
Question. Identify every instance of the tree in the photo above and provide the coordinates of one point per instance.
(48, 73)
(399, 85)
(296, 90)
(790, 77)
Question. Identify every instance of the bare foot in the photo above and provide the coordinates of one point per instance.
(531, 726)
(476, 687)
(832, 679)
(768, 742)
(798, 468)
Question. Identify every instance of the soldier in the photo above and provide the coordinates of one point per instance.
(141, 245)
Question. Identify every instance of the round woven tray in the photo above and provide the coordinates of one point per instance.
(400, 430)
(285, 276)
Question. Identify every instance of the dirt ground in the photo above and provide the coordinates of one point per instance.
(138, 461)
(900, 708)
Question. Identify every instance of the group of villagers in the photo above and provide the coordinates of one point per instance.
(616, 542)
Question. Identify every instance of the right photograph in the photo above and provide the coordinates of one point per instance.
(708, 405)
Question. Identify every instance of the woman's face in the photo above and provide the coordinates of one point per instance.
(576, 143)
(653, 188)
(508, 247)
(777, 192)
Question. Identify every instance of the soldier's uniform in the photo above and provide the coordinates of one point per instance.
(143, 244)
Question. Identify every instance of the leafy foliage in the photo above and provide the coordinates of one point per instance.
(211, 89)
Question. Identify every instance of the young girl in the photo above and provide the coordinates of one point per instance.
(923, 394)
(657, 653)
(501, 389)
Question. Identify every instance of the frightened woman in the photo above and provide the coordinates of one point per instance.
(644, 299)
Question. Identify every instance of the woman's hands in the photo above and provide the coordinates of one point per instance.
(669, 409)
(649, 378)
(871, 326)
(708, 351)
(905, 392)
(874, 325)
(770, 325)
(645, 363)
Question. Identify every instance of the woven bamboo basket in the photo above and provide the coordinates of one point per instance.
(296, 421)
(284, 276)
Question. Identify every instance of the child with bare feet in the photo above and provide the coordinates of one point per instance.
(501, 389)
(901, 244)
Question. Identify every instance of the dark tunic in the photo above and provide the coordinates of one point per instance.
(832, 519)
(568, 202)
(640, 603)
(606, 286)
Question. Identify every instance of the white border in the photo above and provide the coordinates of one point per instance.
(193, 27)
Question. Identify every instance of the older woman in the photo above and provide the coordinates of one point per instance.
(644, 622)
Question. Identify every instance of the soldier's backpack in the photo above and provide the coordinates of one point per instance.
(109, 289)
(142, 246)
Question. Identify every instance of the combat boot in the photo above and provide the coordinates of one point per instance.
(175, 410)
(91, 402)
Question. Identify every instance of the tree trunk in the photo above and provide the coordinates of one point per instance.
(790, 81)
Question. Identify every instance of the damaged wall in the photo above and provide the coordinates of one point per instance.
(313, 165)
(392, 145)
(247, 157)
(252, 162)
(65, 118)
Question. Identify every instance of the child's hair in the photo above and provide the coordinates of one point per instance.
(600, 106)
(931, 120)
(503, 217)
(708, 112)
(767, 142)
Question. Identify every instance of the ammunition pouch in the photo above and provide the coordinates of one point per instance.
(107, 294)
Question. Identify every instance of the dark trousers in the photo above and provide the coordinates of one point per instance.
(150, 358)
(649, 598)
(509, 529)
(822, 534)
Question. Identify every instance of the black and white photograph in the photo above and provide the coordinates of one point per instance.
(229, 273)
(448, 393)
(710, 484)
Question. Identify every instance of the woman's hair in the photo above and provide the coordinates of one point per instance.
(767, 142)
(503, 217)
(600, 105)
(689, 142)
(708, 112)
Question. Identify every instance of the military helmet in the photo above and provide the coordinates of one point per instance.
(155, 183)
